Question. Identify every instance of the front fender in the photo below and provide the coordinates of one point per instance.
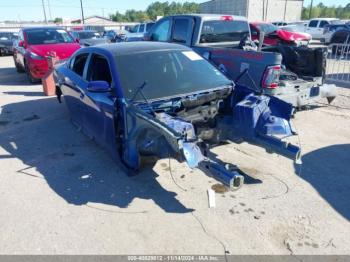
(143, 134)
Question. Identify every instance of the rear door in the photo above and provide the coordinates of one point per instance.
(320, 28)
(142, 28)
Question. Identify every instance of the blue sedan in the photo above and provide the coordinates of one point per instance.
(146, 99)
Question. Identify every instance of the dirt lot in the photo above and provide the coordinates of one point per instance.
(62, 194)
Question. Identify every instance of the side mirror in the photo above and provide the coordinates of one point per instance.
(98, 87)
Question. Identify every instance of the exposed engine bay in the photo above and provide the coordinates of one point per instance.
(187, 127)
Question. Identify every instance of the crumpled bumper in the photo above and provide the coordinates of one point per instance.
(303, 97)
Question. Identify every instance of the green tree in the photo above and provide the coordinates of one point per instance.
(117, 17)
(323, 11)
(58, 20)
(156, 9)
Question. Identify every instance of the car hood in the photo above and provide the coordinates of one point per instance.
(62, 50)
(291, 36)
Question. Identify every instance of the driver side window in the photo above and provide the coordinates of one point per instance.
(79, 64)
(99, 69)
(161, 33)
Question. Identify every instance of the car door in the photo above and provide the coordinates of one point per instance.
(73, 86)
(312, 28)
(320, 28)
(181, 30)
(141, 29)
(99, 107)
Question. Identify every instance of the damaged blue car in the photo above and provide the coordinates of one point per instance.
(145, 99)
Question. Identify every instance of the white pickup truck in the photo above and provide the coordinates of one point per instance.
(137, 32)
(315, 27)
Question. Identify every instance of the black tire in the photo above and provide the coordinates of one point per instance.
(19, 68)
(30, 78)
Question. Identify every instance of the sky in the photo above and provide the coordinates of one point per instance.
(27, 10)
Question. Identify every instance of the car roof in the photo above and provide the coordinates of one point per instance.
(325, 19)
(211, 16)
(126, 48)
(42, 27)
(79, 31)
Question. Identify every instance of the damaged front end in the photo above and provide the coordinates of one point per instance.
(185, 127)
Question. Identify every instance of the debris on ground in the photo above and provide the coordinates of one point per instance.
(219, 188)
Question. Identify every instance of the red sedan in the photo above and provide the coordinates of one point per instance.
(274, 35)
(36, 44)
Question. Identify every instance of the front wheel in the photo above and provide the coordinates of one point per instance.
(30, 78)
(19, 68)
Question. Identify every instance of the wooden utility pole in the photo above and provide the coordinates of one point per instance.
(312, 1)
(285, 10)
(82, 12)
(42, 1)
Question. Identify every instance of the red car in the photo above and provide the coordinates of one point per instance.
(35, 44)
(274, 35)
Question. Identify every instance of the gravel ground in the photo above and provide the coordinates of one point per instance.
(62, 194)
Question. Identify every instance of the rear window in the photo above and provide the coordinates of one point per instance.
(223, 31)
(48, 36)
(267, 28)
(87, 35)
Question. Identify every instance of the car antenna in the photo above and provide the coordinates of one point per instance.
(139, 90)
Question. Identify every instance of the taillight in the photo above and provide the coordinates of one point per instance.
(271, 77)
(227, 18)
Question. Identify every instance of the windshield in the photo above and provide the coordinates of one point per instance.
(134, 29)
(87, 35)
(168, 73)
(48, 36)
(267, 28)
(8, 36)
(223, 31)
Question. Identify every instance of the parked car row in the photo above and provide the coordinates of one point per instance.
(6, 42)
(327, 30)
(35, 44)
